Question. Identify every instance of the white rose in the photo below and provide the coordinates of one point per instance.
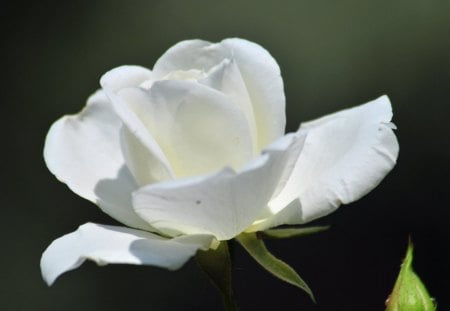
(194, 152)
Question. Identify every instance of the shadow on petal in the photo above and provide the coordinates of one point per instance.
(114, 198)
(164, 253)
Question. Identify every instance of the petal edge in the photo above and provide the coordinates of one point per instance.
(114, 244)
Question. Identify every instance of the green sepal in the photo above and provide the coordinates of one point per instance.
(285, 233)
(257, 249)
(216, 263)
(409, 293)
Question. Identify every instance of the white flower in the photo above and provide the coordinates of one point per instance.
(194, 152)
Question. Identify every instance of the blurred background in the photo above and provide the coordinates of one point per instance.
(333, 55)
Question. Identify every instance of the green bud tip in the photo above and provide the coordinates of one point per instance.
(409, 293)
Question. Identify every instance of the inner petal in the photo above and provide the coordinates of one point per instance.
(260, 73)
(198, 129)
(227, 79)
(189, 75)
(186, 75)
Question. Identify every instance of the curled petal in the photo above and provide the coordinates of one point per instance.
(84, 152)
(112, 244)
(262, 77)
(197, 128)
(259, 71)
(125, 76)
(226, 78)
(222, 204)
(142, 153)
(345, 155)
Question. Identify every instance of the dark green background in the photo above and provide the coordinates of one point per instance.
(333, 55)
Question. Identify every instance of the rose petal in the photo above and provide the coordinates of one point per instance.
(143, 155)
(84, 152)
(197, 128)
(112, 244)
(227, 79)
(125, 76)
(345, 155)
(259, 70)
(288, 215)
(261, 74)
(223, 203)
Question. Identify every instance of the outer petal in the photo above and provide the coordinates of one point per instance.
(259, 70)
(84, 152)
(345, 155)
(112, 244)
(198, 129)
(222, 204)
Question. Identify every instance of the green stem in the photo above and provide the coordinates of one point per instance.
(217, 266)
